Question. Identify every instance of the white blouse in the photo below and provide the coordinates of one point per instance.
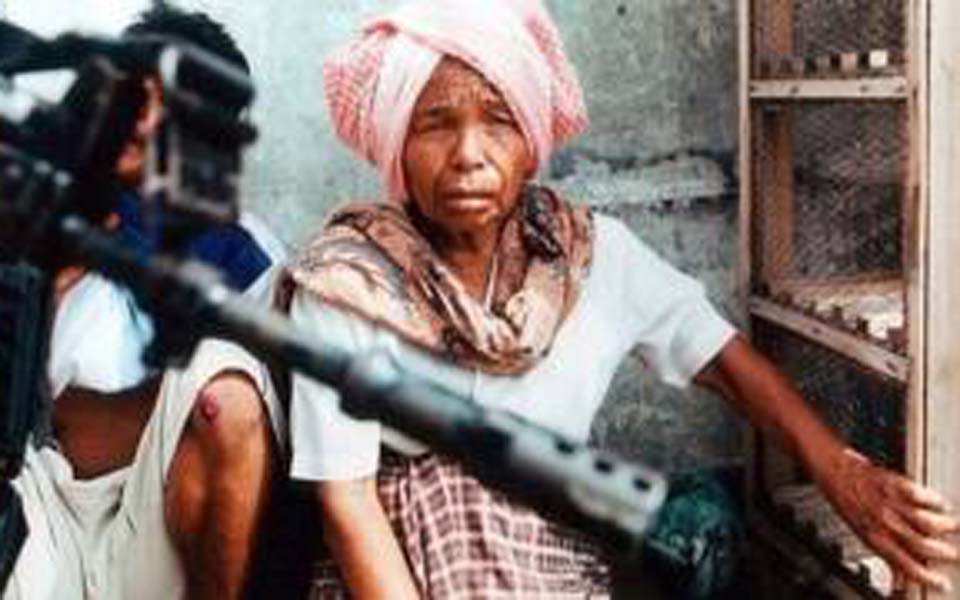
(632, 298)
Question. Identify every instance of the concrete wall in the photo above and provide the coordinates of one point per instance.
(49, 17)
(659, 77)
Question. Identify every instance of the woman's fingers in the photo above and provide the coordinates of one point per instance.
(901, 560)
(903, 522)
(920, 546)
(920, 495)
(931, 523)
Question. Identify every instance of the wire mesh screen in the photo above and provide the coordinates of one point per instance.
(829, 193)
(829, 183)
(818, 29)
(867, 410)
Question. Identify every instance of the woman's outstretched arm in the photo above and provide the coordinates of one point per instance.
(904, 522)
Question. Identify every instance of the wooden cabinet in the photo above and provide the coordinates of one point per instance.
(850, 248)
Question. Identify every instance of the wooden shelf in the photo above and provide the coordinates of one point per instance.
(902, 74)
(872, 306)
(874, 88)
(873, 63)
(809, 512)
(872, 352)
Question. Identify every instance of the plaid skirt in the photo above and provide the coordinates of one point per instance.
(463, 540)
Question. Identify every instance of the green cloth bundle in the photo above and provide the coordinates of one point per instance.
(697, 543)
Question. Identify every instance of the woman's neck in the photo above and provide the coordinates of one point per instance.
(471, 258)
(468, 254)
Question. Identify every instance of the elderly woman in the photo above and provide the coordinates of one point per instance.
(501, 290)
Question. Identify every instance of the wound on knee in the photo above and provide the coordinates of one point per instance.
(208, 406)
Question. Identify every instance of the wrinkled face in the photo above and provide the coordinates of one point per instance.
(465, 159)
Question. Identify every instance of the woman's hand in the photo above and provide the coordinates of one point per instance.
(903, 522)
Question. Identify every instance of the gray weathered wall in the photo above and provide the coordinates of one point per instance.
(659, 77)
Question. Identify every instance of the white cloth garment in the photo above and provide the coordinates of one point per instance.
(106, 538)
(99, 335)
(632, 298)
(100, 332)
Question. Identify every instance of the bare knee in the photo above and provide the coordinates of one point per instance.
(229, 416)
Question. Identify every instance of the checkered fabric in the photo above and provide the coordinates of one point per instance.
(464, 541)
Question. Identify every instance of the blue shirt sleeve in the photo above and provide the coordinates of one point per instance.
(231, 249)
(234, 251)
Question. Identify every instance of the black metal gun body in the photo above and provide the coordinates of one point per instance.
(45, 197)
(615, 500)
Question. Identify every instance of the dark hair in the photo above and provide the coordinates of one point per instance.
(192, 27)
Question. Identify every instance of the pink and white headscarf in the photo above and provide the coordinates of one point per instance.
(372, 84)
